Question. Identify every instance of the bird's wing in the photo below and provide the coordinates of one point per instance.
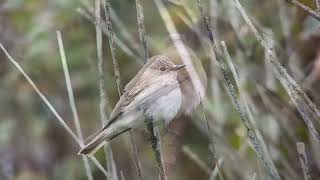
(124, 101)
(136, 78)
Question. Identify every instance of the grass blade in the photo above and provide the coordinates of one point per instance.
(72, 101)
(308, 110)
(304, 161)
(272, 172)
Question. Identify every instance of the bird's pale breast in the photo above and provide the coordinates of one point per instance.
(165, 107)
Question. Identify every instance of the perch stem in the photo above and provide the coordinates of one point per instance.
(155, 147)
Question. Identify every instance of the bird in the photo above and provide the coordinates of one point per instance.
(154, 94)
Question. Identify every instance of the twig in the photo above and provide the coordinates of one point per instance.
(119, 85)
(305, 106)
(180, 47)
(215, 170)
(155, 146)
(123, 30)
(122, 176)
(215, 159)
(196, 159)
(155, 142)
(136, 159)
(118, 41)
(311, 12)
(243, 114)
(49, 105)
(254, 176)
(104, 100)
(112, 49)
(96, 162)
(318, 5)
(72, 102)
(142, 30)
(304, 161)
(242, 93)
(44, 99)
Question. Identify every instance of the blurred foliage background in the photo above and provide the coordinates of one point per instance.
(33, 145)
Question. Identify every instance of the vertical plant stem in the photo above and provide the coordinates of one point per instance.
(305, 106)
(180, 47)
(242, 93)
(155, 146)
(51, 108)
(215, 159)
(318, 5)
(311, 12)
(72, 102)
(112, 48)
(243, 114)
(122, 176)
(124, 31)
(215, 171)
(119, 42)
(41, 95)
(104, 100)
(196, 159)
(155, 142)
(134, 148)
(142, 30)
(304, 161)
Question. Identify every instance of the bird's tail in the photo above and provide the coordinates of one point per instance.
(97, 140)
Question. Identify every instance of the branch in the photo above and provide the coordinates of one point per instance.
(318, 5)
(104, 100)
(257, 143)
(142, 30)
(305, 106)
(304, 161)
(119, 84)
(308, 10)
(155, 146)
(215, 159)
(72, 102)
(112, 48)
(51, 108)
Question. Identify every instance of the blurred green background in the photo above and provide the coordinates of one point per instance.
(33, 145)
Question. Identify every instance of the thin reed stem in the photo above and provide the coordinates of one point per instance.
(104, 100)
(155, 146)
(215, 158)
(305, 106)
(112, 48)
(318, 5)
(142, 30)
(196, 159)
(155, 142)
(272, 172)
(134, 148)
(41, 95)
(215, 171)
(51, 108)
(242, 93)
(307, 9)
(119, 42)
(304, 161)
(72, 102)
(180, 47)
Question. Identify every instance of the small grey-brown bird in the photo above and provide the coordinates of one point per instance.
(155, 93)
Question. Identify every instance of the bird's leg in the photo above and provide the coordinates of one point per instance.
(155, 146)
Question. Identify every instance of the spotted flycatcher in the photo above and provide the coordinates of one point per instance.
(153, 94)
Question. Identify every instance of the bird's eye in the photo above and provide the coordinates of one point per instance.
(163, 68)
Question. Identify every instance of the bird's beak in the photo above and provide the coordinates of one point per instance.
(176, 67)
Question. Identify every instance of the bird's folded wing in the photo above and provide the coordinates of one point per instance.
(139, 96)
